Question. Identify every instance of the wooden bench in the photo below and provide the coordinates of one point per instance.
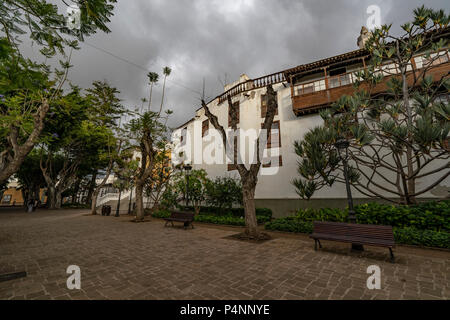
(362, 234)
(181, 216)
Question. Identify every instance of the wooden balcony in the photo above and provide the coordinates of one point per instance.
(252, 84)
(314, 95)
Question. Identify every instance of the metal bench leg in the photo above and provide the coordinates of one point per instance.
(315, 244)
(192, 225)
(392, 255)
(165, 225)
(320, 245)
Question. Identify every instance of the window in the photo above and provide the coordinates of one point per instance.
(333, 82)
(443, 98)
(232, 166)
(6, 199)
(270, 163)
(233, 114)
(183, 135)
(319, 85)
(447, 144)
(273, 141)
(274, 137)
(205, 127)
(264, 103)
(434, 58)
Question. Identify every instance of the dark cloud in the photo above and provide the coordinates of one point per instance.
(211, 39)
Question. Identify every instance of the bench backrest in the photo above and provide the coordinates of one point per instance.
(369, 231)
(182, 215)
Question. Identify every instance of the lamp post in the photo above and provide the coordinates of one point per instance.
(342, 148)
(187, 168)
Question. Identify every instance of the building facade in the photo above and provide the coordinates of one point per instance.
(301, 92)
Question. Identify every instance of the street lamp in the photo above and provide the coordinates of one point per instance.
(187, 168)
(342, 148)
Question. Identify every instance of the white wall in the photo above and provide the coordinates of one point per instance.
(292, 128)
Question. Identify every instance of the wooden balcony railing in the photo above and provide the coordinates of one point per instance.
(252, 84)
(322, 92)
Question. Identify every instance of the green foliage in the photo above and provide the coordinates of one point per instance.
(30, 176)
(426, 224)
(423, 216)
(400, 131)
(223, 192)
(236, 212)
(428, 238)
(226, 219)
(47, 26)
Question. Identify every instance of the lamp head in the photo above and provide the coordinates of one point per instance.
(342, 144)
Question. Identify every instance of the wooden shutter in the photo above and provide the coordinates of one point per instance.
(233, 114)
(205, 127)
(264, 106)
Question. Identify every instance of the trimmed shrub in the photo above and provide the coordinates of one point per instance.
(427, 238)
(425, 224)
(424, 216)
(236, 212)
(216, 219)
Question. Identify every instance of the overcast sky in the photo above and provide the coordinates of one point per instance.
(215, 39)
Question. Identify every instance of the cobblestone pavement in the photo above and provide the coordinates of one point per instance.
(124, 260)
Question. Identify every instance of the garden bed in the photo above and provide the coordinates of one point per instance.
(426, 224)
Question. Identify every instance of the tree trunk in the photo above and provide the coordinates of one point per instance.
(75, 191)
(58, 199)
(409, 152)
(51, 197)
(91, 188)
(9, 166)
(94, 201)
(248, 193)
(140, 214)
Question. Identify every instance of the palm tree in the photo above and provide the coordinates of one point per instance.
(166, 72)
(153, 78)
(143, 100)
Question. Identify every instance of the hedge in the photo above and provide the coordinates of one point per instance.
(425, 224)
(215, 219)
(424, 216)
(237, 212)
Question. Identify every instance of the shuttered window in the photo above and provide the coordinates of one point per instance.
(205, 127)
(264, 102)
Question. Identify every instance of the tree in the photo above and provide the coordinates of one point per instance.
(160, 178)
(153, 78)
(148, 131)
(224, 192)
(396, 137)
(70, 138)
(191, 186)
(26, 101)
(105, 110)
(249, 177)
(166, 71)
(30, 177)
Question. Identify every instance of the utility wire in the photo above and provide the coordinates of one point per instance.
(140, 67)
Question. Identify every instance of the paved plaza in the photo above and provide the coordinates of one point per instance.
(124, 260)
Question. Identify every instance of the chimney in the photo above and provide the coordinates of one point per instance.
(363, 37)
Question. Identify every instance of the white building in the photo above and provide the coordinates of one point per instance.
(301, 92)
